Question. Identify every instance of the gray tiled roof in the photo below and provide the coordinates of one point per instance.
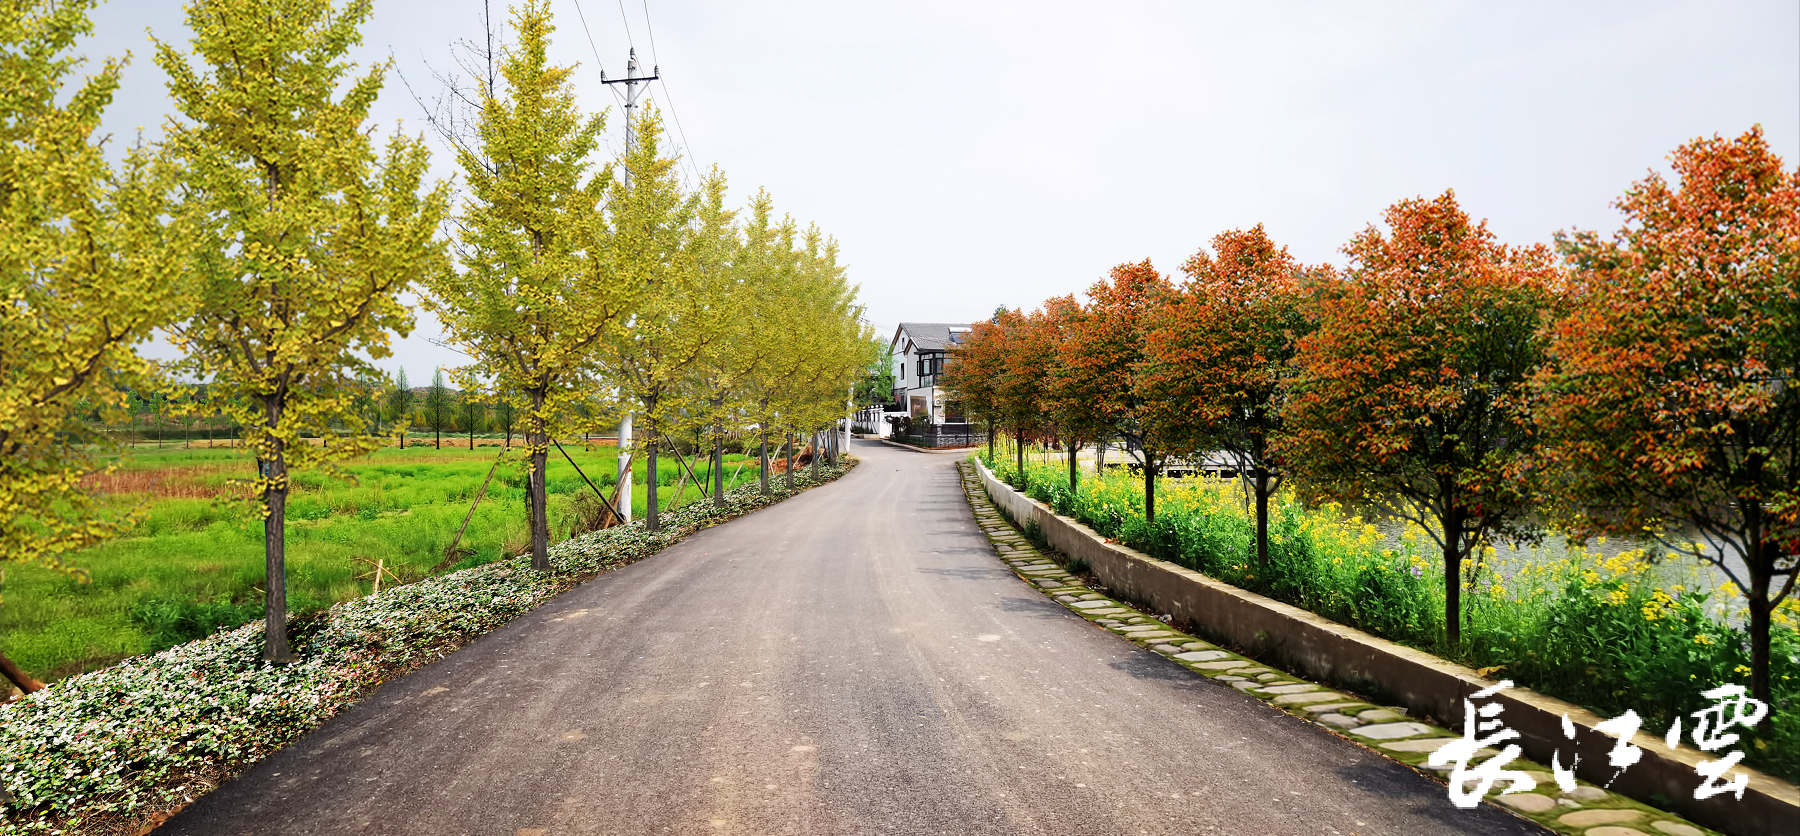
(929, 336)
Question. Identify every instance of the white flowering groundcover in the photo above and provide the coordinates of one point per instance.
(106, 751)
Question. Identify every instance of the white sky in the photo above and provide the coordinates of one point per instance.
(969, 155)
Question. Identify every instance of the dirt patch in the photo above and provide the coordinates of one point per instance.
(190, 482)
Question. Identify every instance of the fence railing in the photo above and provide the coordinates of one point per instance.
(937, 440)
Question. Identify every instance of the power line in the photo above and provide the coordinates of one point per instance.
(596, 50)
(627, 22)
(686, 146)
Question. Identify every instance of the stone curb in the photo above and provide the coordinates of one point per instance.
(1388, 731)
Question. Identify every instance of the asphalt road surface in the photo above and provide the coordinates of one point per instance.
(853, 660)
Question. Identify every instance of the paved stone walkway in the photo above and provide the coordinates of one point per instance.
(1587, 810)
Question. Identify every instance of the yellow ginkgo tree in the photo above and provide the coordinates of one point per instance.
(303, 236)
(664, 243)
(536, 291)
(83, 279)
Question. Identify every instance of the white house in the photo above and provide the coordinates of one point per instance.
(920, 349)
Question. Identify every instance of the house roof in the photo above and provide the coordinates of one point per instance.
(929, 336)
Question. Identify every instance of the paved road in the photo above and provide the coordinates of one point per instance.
(854, 660)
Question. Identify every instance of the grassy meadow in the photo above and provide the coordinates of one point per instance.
(194, 563)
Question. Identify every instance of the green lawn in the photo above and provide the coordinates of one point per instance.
(196, 563)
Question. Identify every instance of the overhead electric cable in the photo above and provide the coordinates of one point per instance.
(687, 147)
(627, 22)
(596, 50)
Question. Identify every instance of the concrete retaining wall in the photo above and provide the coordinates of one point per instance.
(1317, 648)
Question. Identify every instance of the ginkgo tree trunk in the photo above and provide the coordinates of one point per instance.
(303, 239)
(84, 277)
(537, 292)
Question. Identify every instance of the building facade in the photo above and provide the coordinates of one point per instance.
(920, 349)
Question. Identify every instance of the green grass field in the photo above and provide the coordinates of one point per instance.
(195, 563)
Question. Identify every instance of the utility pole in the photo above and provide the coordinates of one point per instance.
(631, 81)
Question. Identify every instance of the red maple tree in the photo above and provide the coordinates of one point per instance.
(1067, 415)
(971, 372)
(1218, 359)
(1410, 393)
(1670, 400)
(1021, 383)
(1099, 360)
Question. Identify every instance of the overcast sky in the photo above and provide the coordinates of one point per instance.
(969, 155)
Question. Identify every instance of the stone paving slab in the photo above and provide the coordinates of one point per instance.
(1586, 811)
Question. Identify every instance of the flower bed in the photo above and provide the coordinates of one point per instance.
(105, 751)
(1605, 633)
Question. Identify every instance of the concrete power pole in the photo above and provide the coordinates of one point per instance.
(631, 81)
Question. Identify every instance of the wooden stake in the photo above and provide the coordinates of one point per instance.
(450, 553)
(610, 508)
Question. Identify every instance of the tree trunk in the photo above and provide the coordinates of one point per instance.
(1260, 484)
(18, 676)
(471, 436)
(790, 460)
(818, 453)
(1761, 578)
(1453, 558)
(1099, 456)
(1149, 487)
(1262, 516)
(437, 440)
(1019, 433)
(1073, 449)
(275, 491)
(537, 441)
(990, 424)
(718, 456)
(762, 454)
(652, 521)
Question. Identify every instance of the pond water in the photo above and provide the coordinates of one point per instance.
(1668, 569)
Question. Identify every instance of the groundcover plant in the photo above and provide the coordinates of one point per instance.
(99, 751)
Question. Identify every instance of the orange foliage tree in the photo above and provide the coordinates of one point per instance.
(1410, 394)
(1019, 383)
(1669, 400)
(1099, 362)
(1220, 355)
(972, 369)
(1074, 423)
